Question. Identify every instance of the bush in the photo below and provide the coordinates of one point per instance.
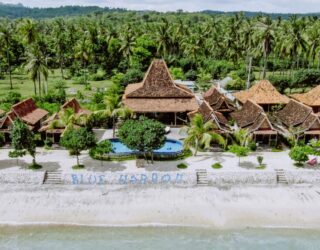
(260, 160)
(80, 166)
(182, 166)
(131, 76)
(79, 80)
(252, 145)
(98, 97)
(217, 165)
(177, 73)
(191, 75)
(48, 143)
(12, 98)
(280, 82)
(300, 154)
(306, 77)
(50, 107)
(99, 76)
(236, 83)
(35, 166)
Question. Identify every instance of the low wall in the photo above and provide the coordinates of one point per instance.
(129, 178)
(303, 177)
(22, 177)
(242, 178)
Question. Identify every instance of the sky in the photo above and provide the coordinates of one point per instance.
(276, 6)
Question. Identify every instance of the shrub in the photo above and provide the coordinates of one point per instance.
(236, 83)
(306, 77)
(191, 75)
(34, 166)
(80, 166)
(280, 82)
(99, 76)
(79, 80)
(12, 98)
(131, 76)
(48, 143)
(260, 160)
(177, 73)
(182, 166)
(217, 165)
(300, 154)
(252, 145)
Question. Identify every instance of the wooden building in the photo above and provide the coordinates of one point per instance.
(218, 101)
(253, 118)
(157, 96)
(219, 120)
(53, 127)
(28, 112)
(262, 93)
(300, 118)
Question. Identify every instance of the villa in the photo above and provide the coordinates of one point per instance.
(311, 98)
(53, 128)
(219, 120)
(218, 101)
(262, 93)
(26, 111)
(253, 118)
(159, 97)
(300, 118)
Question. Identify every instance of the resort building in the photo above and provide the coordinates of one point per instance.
(159, 97)
(299, 118)
(262, 93)
(208, 114)
(218, 101)
(55, 126)
(28, 112)
(253, 118)
(311, 98)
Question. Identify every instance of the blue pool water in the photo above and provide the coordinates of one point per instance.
(170, 146)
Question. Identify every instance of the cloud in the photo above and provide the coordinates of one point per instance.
(297, 6)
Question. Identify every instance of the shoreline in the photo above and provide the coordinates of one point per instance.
(294, 207)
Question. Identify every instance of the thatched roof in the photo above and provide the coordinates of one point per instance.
(263, 92)
(28, 112)
(299, 115)
(158, 92)
(209, 114)
(71, 104)
(218, 101)
(252, 117)
(311, 98)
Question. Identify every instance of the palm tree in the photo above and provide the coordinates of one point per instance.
(266, 36)
(243, 137)
(201, 134)
(28, 29)
(6, 33)
(37, 67)
(117, 110)
(60, 42)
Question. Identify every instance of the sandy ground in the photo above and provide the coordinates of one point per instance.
(237, 207)
(60, 160)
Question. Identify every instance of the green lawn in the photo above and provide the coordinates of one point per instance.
(23, 85)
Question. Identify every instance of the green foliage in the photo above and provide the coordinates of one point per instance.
(182, 166)
(300, 154)
(131, 76)
(99, 75)
(50, 107)
(22, 140)
(35, 166)
(200, 134)
(203, 79)
(280, 82)
(12, 98)
(260, 160)
(216, 165)
(144, 135)
(77, 140)
(239, 151)
(2, 140)
(102, 148)
(236, 83)
(177, 73)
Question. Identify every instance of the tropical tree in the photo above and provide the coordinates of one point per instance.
(37, 68)
(6, 37)
(201, 134)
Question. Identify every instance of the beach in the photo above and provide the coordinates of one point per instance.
(236, 207)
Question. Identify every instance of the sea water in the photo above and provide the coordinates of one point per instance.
(80, 238)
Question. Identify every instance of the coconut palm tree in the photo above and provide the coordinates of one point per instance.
(242, 137)
(201, 134)
(37, 67)
(6, 36)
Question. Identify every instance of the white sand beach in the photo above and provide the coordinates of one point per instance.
(237, 207)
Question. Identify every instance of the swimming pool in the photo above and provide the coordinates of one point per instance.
(170, 147)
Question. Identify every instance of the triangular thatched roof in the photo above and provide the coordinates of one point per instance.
(252, 117)
(218, 101)
(311, 98)
(158, 93)
(298, 115)
(263, 92)
(209, 114)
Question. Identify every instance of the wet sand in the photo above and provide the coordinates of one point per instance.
(231, 208)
